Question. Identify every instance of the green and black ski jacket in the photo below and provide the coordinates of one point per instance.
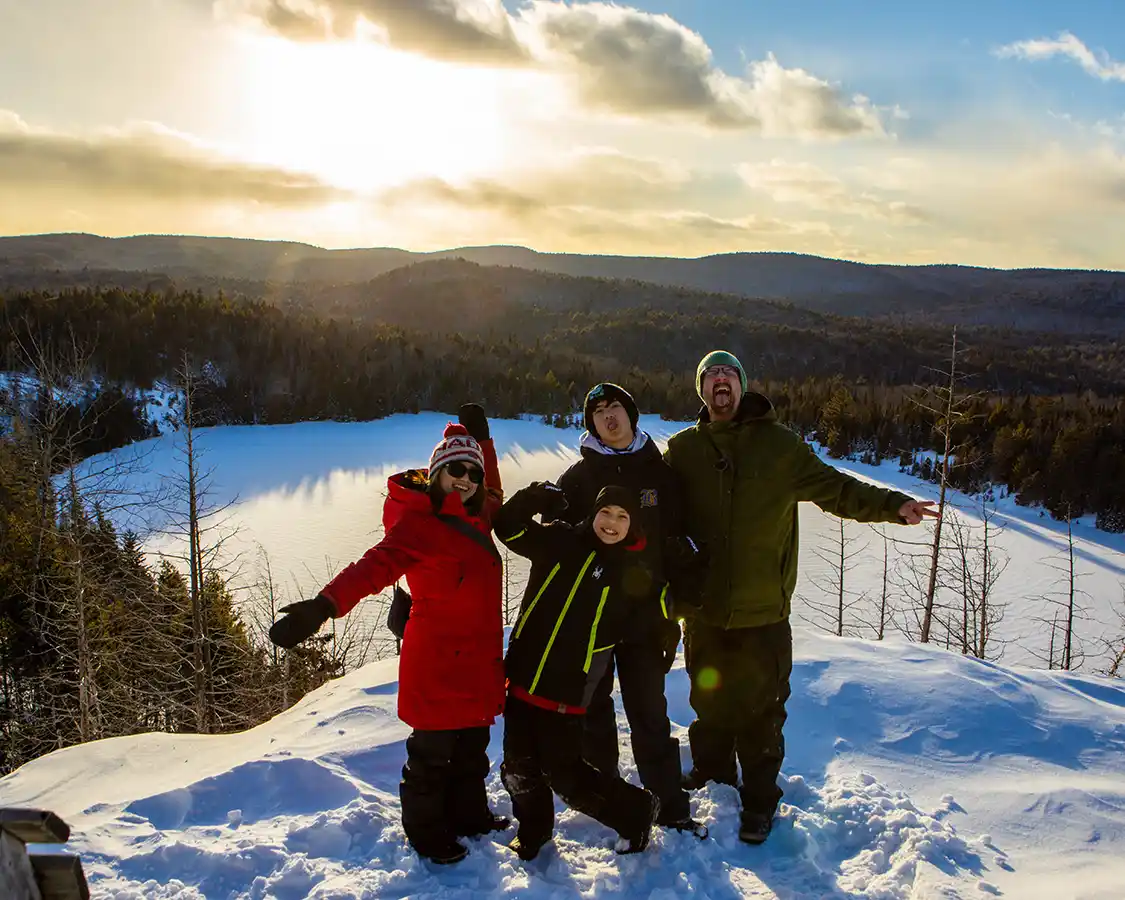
(574, 609)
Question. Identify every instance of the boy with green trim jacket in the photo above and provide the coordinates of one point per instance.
(570, 617)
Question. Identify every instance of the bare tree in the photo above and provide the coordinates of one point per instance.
(1115, 646)
(202, 530)
(72, 677)
(1069, 609)
(515, 583)
(974, 563)
(948, 405)
(883, 611)
(910, 575)
(838, 555)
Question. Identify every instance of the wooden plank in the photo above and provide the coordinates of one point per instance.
(17, 879)
(34, 826)
(60, 877)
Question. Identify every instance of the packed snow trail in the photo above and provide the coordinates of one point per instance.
(912, 773)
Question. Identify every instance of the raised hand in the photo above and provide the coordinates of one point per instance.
(472, 416)
(914, 511)
(301, 620)
(550, 500)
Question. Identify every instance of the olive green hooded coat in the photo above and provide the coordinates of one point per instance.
(742, 481)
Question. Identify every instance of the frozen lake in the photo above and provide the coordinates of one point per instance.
(309, 496)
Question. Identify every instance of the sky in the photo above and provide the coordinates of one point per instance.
(961, 132)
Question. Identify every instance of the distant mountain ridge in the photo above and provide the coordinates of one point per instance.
(1052, 299)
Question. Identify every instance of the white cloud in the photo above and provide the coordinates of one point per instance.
(807, 185)
(144, 160)
(1096, 63)
(473, 31)
(619, 59)
(641, 64)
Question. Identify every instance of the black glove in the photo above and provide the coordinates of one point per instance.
(301, 620)
(547, 499)
(684, 558)
(472, 416)
(669, 642)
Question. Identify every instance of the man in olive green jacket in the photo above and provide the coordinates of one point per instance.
(743, 474)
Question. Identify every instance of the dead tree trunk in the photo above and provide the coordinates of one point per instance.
(947, 433)
(195, 570)
(1068, 635)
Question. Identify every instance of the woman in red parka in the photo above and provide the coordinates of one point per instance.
(437, 532)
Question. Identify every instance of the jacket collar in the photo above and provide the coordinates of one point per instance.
(410, 491)
(590, 442)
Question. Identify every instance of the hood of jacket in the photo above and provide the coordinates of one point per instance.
(589, 444)
(409, 491)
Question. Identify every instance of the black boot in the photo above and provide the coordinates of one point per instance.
(636, 840)
(485, 826)
(687, 826)
(755, 827)
(695, 779)
(525, 849)
(443, 853)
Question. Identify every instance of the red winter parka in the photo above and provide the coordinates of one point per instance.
(451, 669)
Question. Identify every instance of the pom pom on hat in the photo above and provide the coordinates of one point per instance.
(456, 444)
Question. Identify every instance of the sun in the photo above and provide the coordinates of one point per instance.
(362, 116)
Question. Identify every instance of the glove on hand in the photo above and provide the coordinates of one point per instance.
(670, 642)
(301, 620)
(549, 499)
(685, 567)
(684, 558)
(472, 416)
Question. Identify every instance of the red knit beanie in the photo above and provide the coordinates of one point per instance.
(456, 444)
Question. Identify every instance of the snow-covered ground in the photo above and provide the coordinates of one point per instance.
(911, 773)
(310, 495)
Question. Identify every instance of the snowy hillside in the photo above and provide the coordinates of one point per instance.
(912, 773)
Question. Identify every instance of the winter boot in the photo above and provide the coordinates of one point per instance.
(755, 827)
(486, 826)
(687, 825)
(635, 841)
(525, 849)
(444, 853)
(695, 779)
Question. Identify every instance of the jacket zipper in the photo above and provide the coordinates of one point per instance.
(559, 621)
(594, 629)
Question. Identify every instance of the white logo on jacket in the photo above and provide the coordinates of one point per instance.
(597, 573)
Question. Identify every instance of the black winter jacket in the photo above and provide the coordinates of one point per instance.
(574, 608)
(662, 515)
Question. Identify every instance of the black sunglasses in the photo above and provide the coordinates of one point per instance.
(458, 469)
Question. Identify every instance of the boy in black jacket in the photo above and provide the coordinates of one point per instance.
(571, 614)
(615, 451)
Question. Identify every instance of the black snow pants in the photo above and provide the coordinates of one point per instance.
(543, 753)
(442, 789)
(640, 672)
(739, 687)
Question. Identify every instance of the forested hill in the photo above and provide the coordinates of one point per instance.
(1075, 301)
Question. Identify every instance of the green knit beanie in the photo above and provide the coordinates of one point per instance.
(718, 358)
